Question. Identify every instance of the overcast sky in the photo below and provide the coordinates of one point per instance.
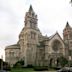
(52, 17)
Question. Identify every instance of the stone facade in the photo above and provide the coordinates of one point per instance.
(12, 54)
(36, 49)
(67, 35)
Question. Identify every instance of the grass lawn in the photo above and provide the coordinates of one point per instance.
(22, 70)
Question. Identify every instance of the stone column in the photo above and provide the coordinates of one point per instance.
(25, 62)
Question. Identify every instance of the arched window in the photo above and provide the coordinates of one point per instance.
(12, 53)
(56, 45)
(33, 35)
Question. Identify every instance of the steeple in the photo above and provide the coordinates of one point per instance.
(67, 25)
(31, 19)
(30, 9)
(67, 31)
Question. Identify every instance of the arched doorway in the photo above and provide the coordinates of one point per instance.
(57, 48)
(57, 61)
(51, 62)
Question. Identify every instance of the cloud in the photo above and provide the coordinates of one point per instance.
(52, 17)
(52, 14)
(11, 21)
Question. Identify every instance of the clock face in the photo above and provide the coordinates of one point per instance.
(56, 45)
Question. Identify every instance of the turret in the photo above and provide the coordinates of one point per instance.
(67, 36)
(67, 32)
(31, 9)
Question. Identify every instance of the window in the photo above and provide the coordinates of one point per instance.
(56, 45)
(12, 54)
(32, 14)
(70, 52)
(66, 36)
(33, 35)
(71, 35)
(32, 23)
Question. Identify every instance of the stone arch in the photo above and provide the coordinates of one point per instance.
(57, 50)
(51, 60)
(58, 62)
(54, 62)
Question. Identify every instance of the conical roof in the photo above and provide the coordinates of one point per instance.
(67, 27)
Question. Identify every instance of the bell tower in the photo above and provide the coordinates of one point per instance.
(31, 19)
(28, 38)
(67, 36)
(67, 32)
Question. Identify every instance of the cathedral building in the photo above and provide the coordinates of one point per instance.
(36, 49)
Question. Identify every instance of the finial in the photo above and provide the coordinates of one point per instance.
(30, 9)
(67, 25)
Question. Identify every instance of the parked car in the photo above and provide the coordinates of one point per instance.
(65, 69)
(3, 71)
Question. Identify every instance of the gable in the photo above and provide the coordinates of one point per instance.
(55, 37)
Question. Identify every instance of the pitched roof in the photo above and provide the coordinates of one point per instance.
(54, 35)
(15, 46)
(51, 36)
